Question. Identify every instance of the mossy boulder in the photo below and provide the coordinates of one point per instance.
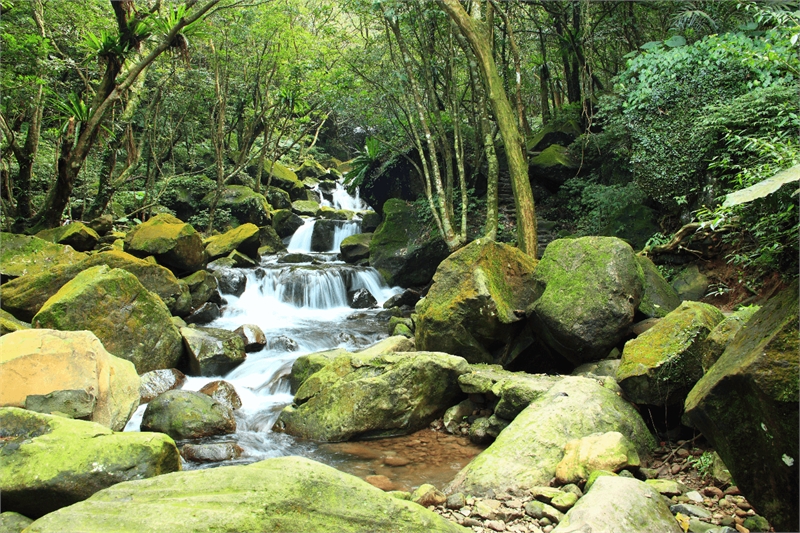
(55, 365)
(478, 295)
(747, 405)
(690, 283)
(185, 196)
(183, 414)
(526, 453)
(633, 222)
(245, 205)
(324, 235)
(310, 169)
(610, 451)
(244, 238)
(130, 321)
(659, 297)
(403, 249)
(174, 244)
(305, 208)
(278, 199)
(552, 166)
(269, 242)
(357, 396)
(587, 291)
(515, 390)
(24, 296)
(285, 223)
(21, 255)
(714, 345)
(75, 234)
(280, 495)
(11, 522)
(355, 248)
(284, 178)
(10, 324)
(307, 365)
(620, 504)
(203, 286)
(330, 213)
(212, 351)
(49, 462)
(370, 220)
(660, 366)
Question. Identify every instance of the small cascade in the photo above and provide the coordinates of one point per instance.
(301, 240)
(341, 199)
(343, 231)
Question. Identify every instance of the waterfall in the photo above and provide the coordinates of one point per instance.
(342, 232)
(301, 240)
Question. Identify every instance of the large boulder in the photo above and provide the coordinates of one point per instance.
(9, 323)
(21, 254)
(714, 345)
(157, 382)
(357, 396)
(659, 297)
(185, 414)
(305, 208)
(280, 495)
(660, 366)
(403, 249)
(477, 297)
(746, 406)
(24, 296)
(245, 205)
(64, 365)
(526, 453)
(212, 351)
(588, 290)
(355, 248)
(552, 167)
(286, 223)
(174, 244)
(514, 390)
(278, 199)
(245, 239)
(284, 178)
(76, 234)
(49, 462)
(323, 236)
(130, 321)
(203, 287)
(615, 504)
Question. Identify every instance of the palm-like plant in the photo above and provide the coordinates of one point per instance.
(362, 164)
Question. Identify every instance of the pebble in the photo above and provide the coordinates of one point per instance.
(675, 469)
(743, 505)
(695, 496)
(714, 492)
(395, 460)
(496, 525)
(456, 501)
(733, 490)
(689, 510)
(740, 512)
(741, 529)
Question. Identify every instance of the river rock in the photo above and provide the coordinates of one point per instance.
(322, 238)
(659, 298)
(515, 390)
(64, 365)
(49, 462)
(747, 405)
(285, 223)
(355, 248)
(408, 297)
(212, 351)
(24, 296)
(284, 494)
(393, 344)
(208, 312)
(402, 248)
(9, 323)
(270, 242)
(610, 451)
(244, 204)
(21, 254)
(660, 366)
(157, 382)
(211, 453)
(278, 199)
(244, 238)
(457, 414)
(174, 244)
(588, 290)
(723, 333)
(361, 299)
(617, 504)
(224, 393)
(357, 396)
(75, 234)
(305, 208)
(188, 415)
(203, 288)
(254, 339)
(477, 297)
(130, 321)
(230, 281)
(307, 365)
(370, 220)
(526, 453)
(11, 522)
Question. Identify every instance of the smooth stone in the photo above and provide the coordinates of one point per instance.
(690, 510)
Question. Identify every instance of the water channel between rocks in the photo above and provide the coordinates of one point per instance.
(302, 308)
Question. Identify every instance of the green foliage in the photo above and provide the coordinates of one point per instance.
(222, 219)
(362, 164)
(703, 463)
(590, 205)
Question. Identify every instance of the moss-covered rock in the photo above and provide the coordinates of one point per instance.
(478, 294)
(211, 351)
(24, 296)
(370, 221)
(285, 223)
(714, 345)
(310, 169)
(306, 208)
(526, 453)
(553, 166)
(245, 205)
(245, 239)
(747, 405)
(174, 244)
(21, 255)
(307, 365)
(75, 234)
(45, 362)
(610, 451)
(269, 242)
(357, 396)
(402, 249)
(285, 178)
(659, 297)
(690, 283)
(355, 248)
(330, 213)
(588, 290)
(130, 321)
(10, 324)
(515, 390)
(620, 504)
(11, 522)
(185, 414)
(278, 199)
(202, 286)
(281, 495)
(660, 366)
(49, 462)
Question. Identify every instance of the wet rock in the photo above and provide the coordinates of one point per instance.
(282, 343)
(382, 482)
(361, 299)
(75, 234)
(244, 238)
(224, 393)
(270, 242)
(322, 238)
(174, 244)
(285, 223)
(158, 382)
(208, 312)
(188, 415)
(603, 451)
(305, 208)
(254, 339)
(211, 453)
(307, 365)
(239, 260)
(427, 495)
(230, 281)
(355, 248)
(408, 297)
(212, 351)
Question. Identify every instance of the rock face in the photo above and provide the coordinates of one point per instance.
(722, 335)
(76, 234)
(131, 322)
(355, 248)
(20, 255)
(357, 396)
(526, 453)
(617, 504)
(281, 495)
(49, 462)
(748, 401)
(211, 351)
(188, 415)
(402, 249)
(588, 290)
(245, 239)
(659, 297)
(24, 296)
(477, 296)
(62, 363)
(174, 244)
(660, 366)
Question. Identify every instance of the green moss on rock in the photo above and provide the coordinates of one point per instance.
(21, 255)
(244, 204)
(188, 415)
(659, 297)
(245, 239)
(174, 244)
(75, 234)
(9, 324)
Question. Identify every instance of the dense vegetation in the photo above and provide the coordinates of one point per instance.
(126, 107)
